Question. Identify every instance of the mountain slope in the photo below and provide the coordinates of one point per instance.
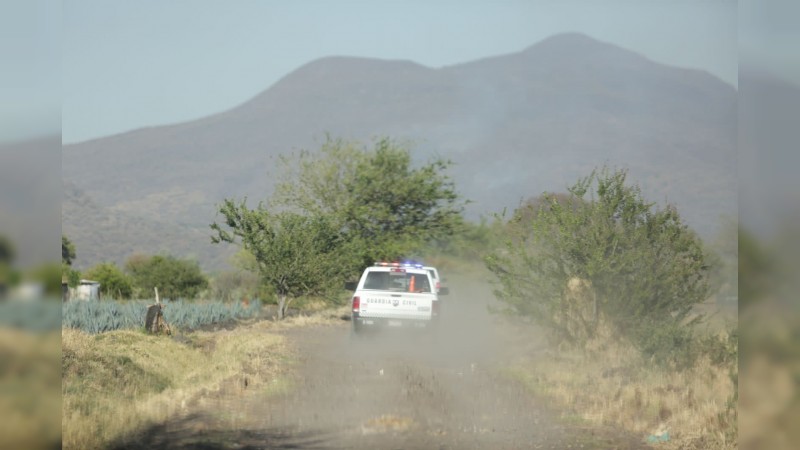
(103, 234)
(515, 125)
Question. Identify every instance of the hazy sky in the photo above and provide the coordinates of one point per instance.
(30, 78)
(129, 64)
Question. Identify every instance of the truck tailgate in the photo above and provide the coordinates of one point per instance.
(396, 306)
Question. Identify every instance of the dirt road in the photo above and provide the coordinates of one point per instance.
(391, 390)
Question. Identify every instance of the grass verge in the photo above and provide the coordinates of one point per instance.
(115, 383)
(29, 397)
(611, 385)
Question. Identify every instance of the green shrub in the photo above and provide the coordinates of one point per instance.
(642, 268)
(113, 282)
(175, 278)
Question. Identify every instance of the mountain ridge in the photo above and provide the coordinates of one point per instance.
(515, 124)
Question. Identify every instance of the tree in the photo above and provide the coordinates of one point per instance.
(230, 285)
(471, 240)
(67, 251)
(7, 251)
(72, 276)
(756, 269)
(338, 210)
(722, 256)
(373, 195)
(49, 275)
(296, 255)
(113, 282)
(174, 278)
(244, 282)
(7, 255)
(644, 267)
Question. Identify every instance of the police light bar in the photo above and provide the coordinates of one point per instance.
(397, 264)
(387, 264)
(409, 263)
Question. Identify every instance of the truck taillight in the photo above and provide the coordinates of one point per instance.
(356, 304)
(435, 308)
(438, 285)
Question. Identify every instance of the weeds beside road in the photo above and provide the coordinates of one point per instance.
(694, 408)
(118, 382)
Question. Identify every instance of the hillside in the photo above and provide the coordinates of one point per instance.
(515, 125)
(769, 131)
(103, 234)
(30, 198)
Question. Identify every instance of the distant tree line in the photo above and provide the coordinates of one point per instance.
(175, 278)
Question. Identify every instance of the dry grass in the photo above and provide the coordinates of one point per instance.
(117, 382)
(29, 397)
(326, 317)
(613, 386)
(770, 388)
(322, 317)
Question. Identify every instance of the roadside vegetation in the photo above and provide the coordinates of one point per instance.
(621, 289)
(28, 380)
(770, 323)
(117, 382)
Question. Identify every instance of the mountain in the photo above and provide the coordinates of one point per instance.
(769, 130)
(104, 234)
(515, 125)
(30, 198)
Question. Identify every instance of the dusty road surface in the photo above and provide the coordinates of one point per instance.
(392, 390)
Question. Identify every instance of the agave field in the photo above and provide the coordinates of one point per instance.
(101, 316)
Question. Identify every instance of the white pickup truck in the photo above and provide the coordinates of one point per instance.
(394, 295)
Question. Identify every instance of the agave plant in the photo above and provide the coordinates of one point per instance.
(101, 316)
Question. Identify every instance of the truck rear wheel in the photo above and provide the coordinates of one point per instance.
(357, 329)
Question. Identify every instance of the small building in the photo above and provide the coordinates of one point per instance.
(85, 290)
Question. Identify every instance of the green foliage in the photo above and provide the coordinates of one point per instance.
(240, 284)
(297, 255)
(722, 256)
(8, 276)
(98, 317)
(755, 269)
(722, 349)
(7, 251)
(113, 282)
(256, 287)
(175, 278)
(67, 251)
(373, 195)
(73, 276)
(471, 241)
(49, 275)
(644, 267)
